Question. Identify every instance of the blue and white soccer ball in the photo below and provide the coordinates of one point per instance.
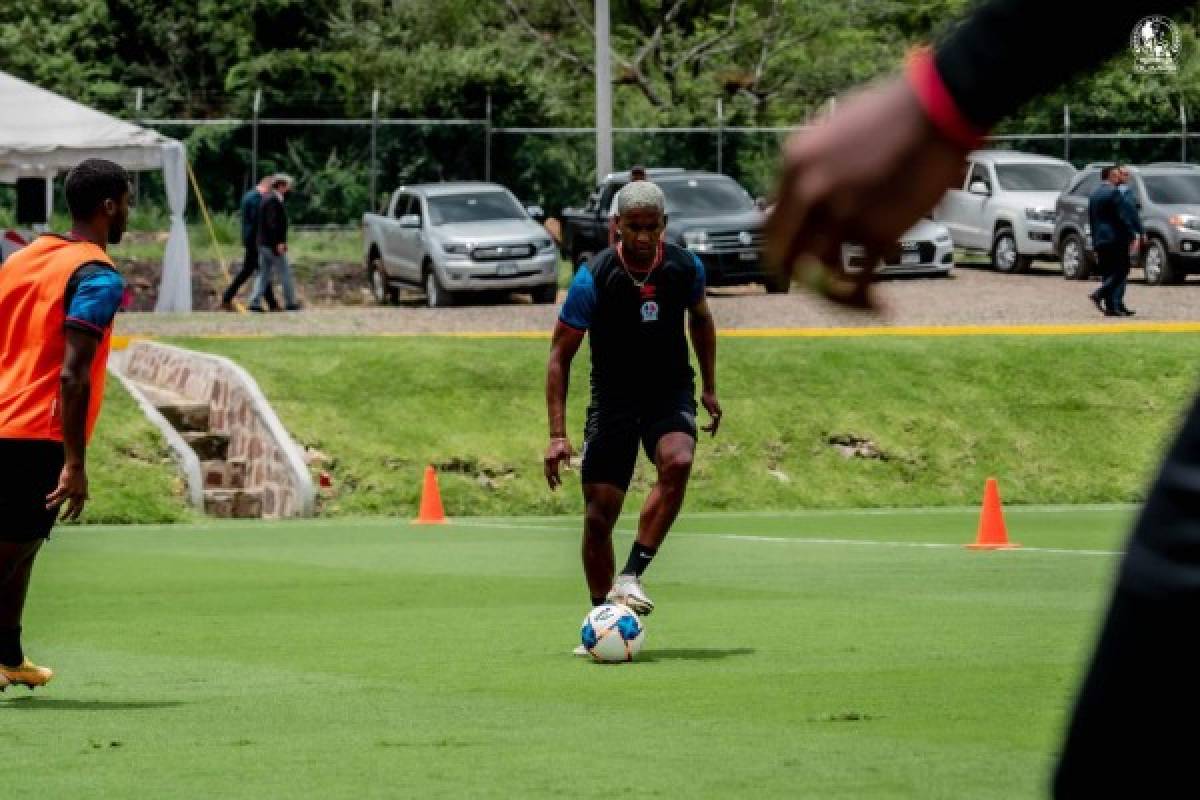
(612, 633)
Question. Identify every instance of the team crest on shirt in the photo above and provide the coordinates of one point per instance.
(649, 311)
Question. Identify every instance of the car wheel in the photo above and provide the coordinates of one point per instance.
(1005, 257)
(436, 295)
(547, 293)
(1157, 264)
(1073, 258)
(777, 284)
(380, 290)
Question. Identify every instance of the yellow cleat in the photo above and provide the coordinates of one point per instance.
(28, 674)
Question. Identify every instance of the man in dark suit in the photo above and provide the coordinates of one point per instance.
(250, 207)
(272, 245)
(1116, 232)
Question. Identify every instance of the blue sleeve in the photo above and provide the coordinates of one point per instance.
(698, 285)
(96, 301)
(580, 305)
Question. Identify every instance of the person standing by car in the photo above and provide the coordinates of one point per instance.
(1116, 231)
(250, 208)
(272, 245)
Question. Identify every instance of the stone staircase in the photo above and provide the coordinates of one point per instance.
(225, 492)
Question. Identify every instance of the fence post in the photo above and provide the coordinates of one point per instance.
(1066, 132)
(254, 137)
(720, 136)
(1182, 132)
(487, 137)
(374, 129)
(138, 98)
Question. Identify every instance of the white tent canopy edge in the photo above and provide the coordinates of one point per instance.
(43, 134)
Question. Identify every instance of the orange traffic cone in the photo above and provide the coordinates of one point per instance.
(992, 535)
(431, 512)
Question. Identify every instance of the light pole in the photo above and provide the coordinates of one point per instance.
(604, 157)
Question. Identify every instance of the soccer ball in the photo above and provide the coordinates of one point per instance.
(612, 633)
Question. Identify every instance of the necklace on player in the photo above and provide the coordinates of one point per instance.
(658, 257)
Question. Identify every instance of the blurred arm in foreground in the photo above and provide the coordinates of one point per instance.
(871, 170)
(868, 172)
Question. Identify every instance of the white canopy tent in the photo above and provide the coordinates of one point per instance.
(43, 134)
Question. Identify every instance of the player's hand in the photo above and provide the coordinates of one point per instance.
(281, 248)
(557, 452)
(72, 490)
(863, 175)
(713, 407)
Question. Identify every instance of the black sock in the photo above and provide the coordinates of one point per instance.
(639, 558)
(11, 654)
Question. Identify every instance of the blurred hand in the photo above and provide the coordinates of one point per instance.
(557, 452)
(281, 248)
(863, 175)
(709, 401)
(72, 489)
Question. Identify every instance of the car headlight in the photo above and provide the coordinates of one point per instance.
(1039, 214)
(942, 238)
(695, 240)
(455, 248)
(544, 245)
(1186, 222)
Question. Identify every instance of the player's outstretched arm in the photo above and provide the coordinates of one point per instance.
(703, 331)
(76, 391)
(563, 348)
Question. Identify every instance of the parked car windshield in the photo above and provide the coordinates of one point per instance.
(1173, 190)
(452, 208)
(699, 197)
(1034, 177)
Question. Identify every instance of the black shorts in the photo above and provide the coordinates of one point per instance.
(29, 470)
(612, 435)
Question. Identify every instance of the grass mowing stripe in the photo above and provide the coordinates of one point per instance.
(750, 537)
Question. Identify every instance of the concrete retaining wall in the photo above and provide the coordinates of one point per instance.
(274, 463)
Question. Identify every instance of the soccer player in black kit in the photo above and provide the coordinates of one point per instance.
(634, 301)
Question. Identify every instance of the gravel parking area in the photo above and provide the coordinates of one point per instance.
(973, 295)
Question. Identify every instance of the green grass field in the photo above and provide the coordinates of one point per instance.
(813, 654)
(1072, 419)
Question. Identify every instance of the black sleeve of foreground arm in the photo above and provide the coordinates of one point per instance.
(1122, 740)
(1008, 52)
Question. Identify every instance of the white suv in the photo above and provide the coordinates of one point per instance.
(1005, 206)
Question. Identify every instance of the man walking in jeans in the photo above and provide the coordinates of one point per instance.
(272, 245)
(1116, 231)
(250, 207)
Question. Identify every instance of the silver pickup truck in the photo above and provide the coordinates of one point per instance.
(451, 238)
(1004, 207)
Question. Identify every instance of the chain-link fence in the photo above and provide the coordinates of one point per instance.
(347, 166)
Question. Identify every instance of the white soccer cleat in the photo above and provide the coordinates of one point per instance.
(580, 650)
(628, 591)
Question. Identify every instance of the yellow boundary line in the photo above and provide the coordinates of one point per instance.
(1081, 329)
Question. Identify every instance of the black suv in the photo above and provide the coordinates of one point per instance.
(1168, 198)
(709, 214)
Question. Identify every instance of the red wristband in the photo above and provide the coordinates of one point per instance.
(922, 75)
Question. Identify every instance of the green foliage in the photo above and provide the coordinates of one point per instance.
(772, 62)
